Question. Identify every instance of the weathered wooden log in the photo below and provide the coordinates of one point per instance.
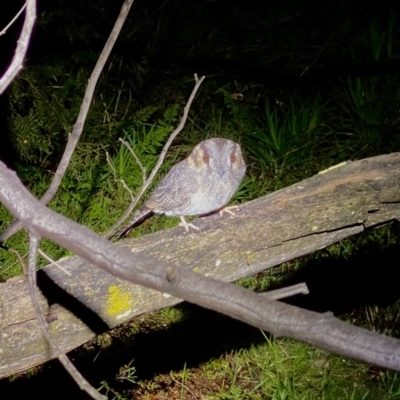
(292, 222)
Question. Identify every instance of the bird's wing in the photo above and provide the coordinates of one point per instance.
(138, 217)
(175, 190)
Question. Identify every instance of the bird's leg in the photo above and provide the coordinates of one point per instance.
(228, 210)
(187, 225)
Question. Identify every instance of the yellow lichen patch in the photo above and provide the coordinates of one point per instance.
(118, 302)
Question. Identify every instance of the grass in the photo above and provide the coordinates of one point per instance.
(289, 127)
(286, 370)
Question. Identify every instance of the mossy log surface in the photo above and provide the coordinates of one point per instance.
(281, 226)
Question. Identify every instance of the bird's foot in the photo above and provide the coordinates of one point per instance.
(187, 225)
(229, 210)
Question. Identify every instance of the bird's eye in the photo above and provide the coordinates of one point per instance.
(206, 158)
(233, 158)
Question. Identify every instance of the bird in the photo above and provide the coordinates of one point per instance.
(201, 184)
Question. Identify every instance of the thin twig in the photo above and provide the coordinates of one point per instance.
(2, 32)
(22, 46)
(283, 293)
(53, 262)
(21, 261)
(160, 159)
(78, 378)
(78, 127)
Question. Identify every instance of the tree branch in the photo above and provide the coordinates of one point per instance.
(4, 31)
(78, 127)
(64, 360)
(322, 331)
(22, 46)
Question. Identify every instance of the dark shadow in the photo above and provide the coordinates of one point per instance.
(201, 336)
(56, 295)
(54, 382)
(340, 286)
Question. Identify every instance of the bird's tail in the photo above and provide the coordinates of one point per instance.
(139, 216)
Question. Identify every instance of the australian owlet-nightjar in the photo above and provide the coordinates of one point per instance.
(202, 183)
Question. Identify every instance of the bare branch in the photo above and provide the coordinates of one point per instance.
(22, 46)
(78, 127)
(283, 293)
(53, 262)
(320, 330)
(160, 159)
(64, 360)
(21, 261)
(3, 32)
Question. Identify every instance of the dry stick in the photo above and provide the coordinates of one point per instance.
(160, 159)
(22, 46)
(43, 254)
(320, 330)
(3, 32)
(33, 291)
(283, 293)
(21, 261)
(53, 262)
(78, 127)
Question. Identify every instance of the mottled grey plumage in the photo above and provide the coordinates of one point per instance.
(202, 183)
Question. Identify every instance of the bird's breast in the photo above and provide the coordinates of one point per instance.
(205, 199)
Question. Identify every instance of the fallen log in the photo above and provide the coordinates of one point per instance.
(284, 225)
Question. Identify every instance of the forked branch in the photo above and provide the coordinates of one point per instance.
(76, 133)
